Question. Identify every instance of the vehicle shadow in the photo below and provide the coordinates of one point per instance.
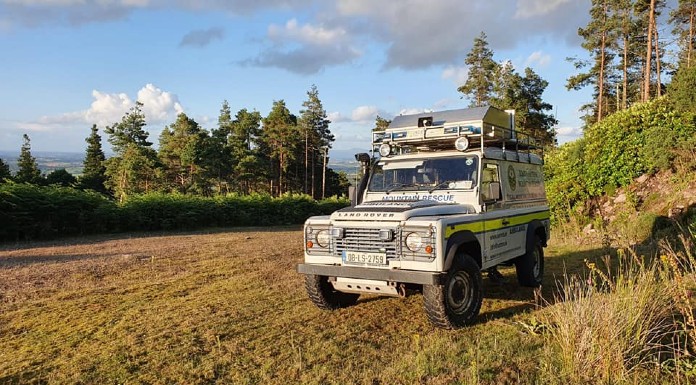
(517, 299)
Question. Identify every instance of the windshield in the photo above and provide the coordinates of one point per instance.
(429, 175)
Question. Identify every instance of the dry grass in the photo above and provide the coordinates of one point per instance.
(228, 307)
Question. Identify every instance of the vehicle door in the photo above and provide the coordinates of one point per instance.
(497, 242)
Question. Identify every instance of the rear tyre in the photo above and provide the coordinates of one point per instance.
(457, 302)
(324, 296)
(530, 266)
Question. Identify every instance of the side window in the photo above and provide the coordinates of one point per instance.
(490, 182)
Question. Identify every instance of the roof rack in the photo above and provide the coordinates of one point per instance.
(481, 126)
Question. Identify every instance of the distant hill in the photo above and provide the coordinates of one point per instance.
(339, 160)
(48, 161)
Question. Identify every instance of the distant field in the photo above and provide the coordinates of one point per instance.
(228, 307)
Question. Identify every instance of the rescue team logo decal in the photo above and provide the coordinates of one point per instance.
(512, 178)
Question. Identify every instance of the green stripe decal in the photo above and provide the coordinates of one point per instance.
(495, 224)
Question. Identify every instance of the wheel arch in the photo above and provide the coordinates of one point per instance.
(462, 240)
(536, 229)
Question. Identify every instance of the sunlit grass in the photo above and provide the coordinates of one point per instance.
(228, 307)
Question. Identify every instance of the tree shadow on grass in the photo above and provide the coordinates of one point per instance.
(96, 238)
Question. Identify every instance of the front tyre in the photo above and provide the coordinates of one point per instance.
(323, 294)
(457, 302)
(530, 266)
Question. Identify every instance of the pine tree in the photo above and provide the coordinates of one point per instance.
(246, 148)
(600, 41)
(93, 171)
(60, 177)
(5, 173)
(216, 154)
(180, 150)
(131, 130)
(314, 125)
(381, 124)
(280, 135)
(28, 168)
(683, 19)
(482, 69)
(134, 168)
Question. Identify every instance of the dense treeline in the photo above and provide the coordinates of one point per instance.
(246, 153)
(638, 122)
(38, 212)
(630, 53)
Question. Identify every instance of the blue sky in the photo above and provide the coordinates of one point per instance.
(67, 64)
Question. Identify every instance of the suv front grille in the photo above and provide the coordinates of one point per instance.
(367, 240)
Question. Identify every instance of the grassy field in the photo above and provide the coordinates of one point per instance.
(228, 308)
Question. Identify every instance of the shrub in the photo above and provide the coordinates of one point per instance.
(33, 212)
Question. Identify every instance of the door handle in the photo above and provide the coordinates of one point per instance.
(506, 222)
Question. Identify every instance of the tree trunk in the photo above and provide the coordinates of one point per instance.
(657, 60)
(306, 160)
(648, 55)
(690, 46)
(602, 59)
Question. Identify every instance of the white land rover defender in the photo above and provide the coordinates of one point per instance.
(453, 194)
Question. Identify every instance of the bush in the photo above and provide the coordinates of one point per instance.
(645, 138)
(33, 212)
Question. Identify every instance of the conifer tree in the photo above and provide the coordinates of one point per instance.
(600, 41)
(216, 155)
(134, 168)
(28, 168)
(246, 148)
(60, 177)
(180, 150)
(5, 173)
(281, 136)
(314, 125)
(482, 70)
(683, 19)
(93, 171)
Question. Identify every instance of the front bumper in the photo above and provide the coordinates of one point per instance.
(391, 275)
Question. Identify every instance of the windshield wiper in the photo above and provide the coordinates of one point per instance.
(440, 185)
(395, 186)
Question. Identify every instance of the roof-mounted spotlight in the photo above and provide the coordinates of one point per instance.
(461, 143)
(385, 149)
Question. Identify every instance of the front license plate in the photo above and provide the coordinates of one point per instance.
(357, 257)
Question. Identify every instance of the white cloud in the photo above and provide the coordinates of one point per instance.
(539, 58)
(202, 37)
(532, 8)
(365, 114)
(307, 34)
(567, 134)
(306, 49)
(336, 117)
(159, 107)
(457, 74)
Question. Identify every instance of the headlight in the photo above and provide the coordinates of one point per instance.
(414, 242)
(323, 238)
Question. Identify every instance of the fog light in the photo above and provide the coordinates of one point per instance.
(385, 149)
(462, 143)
